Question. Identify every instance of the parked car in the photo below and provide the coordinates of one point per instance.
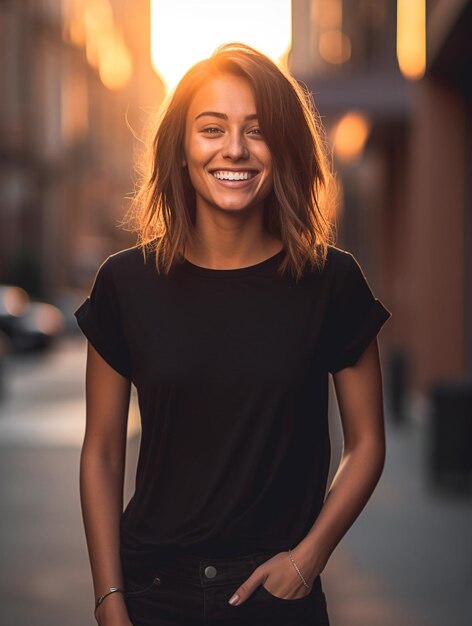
(28, 324)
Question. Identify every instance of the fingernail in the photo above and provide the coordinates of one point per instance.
(234, 599)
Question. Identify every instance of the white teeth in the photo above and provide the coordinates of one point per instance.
(223, 175)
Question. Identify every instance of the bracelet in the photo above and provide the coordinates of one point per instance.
(101, 598)
(296, 567)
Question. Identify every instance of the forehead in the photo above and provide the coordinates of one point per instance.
(224, 93)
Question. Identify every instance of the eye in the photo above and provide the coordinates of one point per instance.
(211, 130)
(256, 131)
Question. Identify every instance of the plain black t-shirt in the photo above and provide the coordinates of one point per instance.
(231, 372)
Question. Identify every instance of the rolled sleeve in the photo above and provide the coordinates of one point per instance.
(99, 319)
(355, 318)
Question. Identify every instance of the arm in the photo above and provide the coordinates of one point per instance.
(102, 465)
(360, 399)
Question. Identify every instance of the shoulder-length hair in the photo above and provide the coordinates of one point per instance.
(297, 209)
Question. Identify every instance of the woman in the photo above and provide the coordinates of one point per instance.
(227, 317)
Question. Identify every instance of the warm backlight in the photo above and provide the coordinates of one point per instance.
(411, 37)
(350, 135)
(185, 31)
(91, 24)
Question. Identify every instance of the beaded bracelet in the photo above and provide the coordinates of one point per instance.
(296, 567)
(101, 598)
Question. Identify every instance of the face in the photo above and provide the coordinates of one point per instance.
(228, 160)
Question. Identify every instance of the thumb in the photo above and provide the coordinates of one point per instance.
(244, 591)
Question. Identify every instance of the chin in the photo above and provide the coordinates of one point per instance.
(234, 205)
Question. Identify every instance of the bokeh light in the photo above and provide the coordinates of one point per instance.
(350, 135)
(411, 38)
(91, 24)
(335, 47)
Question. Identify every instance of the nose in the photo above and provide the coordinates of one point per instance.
(235, 146)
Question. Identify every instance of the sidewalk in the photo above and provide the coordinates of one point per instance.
(407, 560)
(44, 570)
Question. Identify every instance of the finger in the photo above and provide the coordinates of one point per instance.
(244, 591)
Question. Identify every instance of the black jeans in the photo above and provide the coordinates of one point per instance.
(194, 591)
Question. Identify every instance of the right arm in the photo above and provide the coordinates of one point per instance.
(102, 465)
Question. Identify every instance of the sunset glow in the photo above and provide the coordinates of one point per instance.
(350, 135)
(184, 31)
(91, 24)
(411, 38)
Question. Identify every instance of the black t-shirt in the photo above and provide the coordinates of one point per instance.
(231, 372)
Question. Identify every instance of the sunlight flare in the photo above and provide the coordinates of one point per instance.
(184, 31)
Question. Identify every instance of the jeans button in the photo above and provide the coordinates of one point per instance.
(210, 571)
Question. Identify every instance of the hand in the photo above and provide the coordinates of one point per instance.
(282, 578)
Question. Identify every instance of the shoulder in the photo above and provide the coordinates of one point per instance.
(122, 263)
(345, 275)
(124, 258)
(339, 262)
(334, 252)
(119, 271)
(335, 266)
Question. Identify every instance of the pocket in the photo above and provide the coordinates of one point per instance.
(139, 589)
(263, 590)
(322, 611)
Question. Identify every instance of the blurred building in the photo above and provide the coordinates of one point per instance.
(76, 78)
(402, 148)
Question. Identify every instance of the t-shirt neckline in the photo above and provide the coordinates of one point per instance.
(235, 272)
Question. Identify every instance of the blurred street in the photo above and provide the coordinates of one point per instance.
(377, 576)
(84, 83)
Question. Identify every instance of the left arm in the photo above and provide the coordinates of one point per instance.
(360, 399)
(359, 391)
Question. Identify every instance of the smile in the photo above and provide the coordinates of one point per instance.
(234, 175)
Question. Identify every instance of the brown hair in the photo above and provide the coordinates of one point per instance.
(163, 208)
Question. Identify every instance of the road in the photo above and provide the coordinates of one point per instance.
(407, 560)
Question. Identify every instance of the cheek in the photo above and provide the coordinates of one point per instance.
(269, 180)
(197, 150)
(265, 157)
(269, 172)
(196, 173)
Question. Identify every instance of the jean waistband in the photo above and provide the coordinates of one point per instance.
(202, 571)
(198, 571)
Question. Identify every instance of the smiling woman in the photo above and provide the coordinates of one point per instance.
(229, 337)
(233, 113)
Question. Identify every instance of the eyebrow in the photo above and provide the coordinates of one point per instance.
(223, 116)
